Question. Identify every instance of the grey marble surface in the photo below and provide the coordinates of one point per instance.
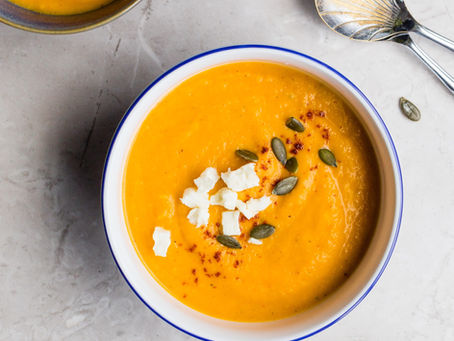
(57, 278)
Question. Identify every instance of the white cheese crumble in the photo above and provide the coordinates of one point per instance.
(252, 207)
(254, 241)
(199, 216)
(241, 178)
(225, 197)
(231, 223)
(161, 239)
(207, 180)
(193, 198)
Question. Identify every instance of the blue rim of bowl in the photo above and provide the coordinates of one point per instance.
(393, 147)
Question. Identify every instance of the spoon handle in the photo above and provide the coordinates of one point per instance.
(444, 77)
(434, 36)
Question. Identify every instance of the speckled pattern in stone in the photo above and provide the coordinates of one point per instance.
(61, 98)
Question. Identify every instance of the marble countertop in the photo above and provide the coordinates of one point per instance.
(61, 98)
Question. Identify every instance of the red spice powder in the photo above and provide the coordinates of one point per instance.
(196, 280)
(192, 248)
(262, 166)
(264, 150)
(293, 151)
(325, 133)
(309, 115)
(217, 274)
(236, 264)
(322, 114)
(242, 218)
(288, 141)
(217, 256)
(193, 271)
(298, 146)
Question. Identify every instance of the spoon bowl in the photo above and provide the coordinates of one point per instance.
(370, 20)
(378, 20)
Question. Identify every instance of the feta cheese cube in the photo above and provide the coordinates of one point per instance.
(241, 178)
(251, 207)
(231, 223)
(207, 180)
(193, 198)
(225, 197)
(161, 239)
(254, 241)
(199, 216)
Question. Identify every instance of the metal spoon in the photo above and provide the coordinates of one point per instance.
(376, 20)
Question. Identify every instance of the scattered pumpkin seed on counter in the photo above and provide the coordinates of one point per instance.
(228, 241)
(327, 157)
(285, 186)
(247, 155)
(294, 124)
(262, 231)
(279, 151)
(409, 109)
(292, 165)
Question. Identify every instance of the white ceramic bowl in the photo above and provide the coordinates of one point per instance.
(300, 326)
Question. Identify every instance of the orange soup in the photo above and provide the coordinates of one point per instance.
(322, 226)
(61, 7)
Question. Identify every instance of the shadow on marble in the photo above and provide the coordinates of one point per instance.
(80, 165)
(310, 9)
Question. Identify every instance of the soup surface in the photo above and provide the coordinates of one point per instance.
(61, 7)
(322, 227)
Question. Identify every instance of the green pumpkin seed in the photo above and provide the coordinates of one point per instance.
(262, 231)
(327, 157)
(247, 155)
(292, 165)
(228, 241)
(409, 109)
(279, 149)
(285, 186)
(294, 124)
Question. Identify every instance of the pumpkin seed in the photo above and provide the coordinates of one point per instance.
(228, 241)
(327, 157)
(285, 186)
(294, 124)
(292, 165)
(262, 231)
(247, 155)
(409, 109)
(279, 149)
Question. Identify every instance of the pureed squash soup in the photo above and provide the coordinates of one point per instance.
(61, 7)
(309, 237)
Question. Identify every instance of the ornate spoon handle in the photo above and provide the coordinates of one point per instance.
(434, 36)
(444, 77)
